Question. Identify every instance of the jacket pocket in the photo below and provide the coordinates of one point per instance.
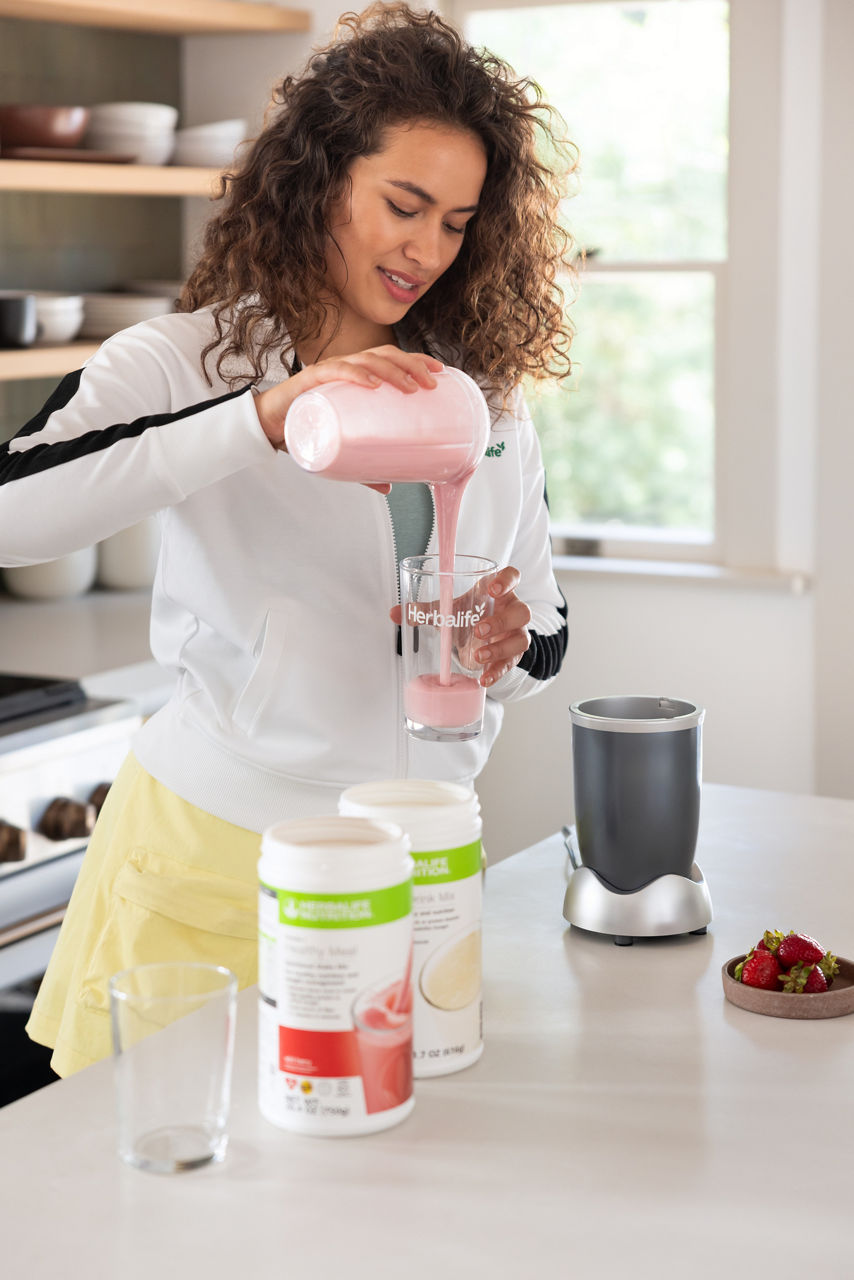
(270, 647)
(163, 910)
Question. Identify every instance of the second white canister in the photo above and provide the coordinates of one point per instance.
(442, 820)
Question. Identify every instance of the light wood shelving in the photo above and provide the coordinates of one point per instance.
(44, 362)
(168, 17)
(105, 179)
(165, 17)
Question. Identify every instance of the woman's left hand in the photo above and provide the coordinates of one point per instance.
(505, 634)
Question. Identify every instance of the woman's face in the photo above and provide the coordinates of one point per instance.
(401, 223)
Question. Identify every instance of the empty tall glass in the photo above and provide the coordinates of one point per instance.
(173, 1040)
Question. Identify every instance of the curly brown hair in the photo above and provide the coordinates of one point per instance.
(500, 304)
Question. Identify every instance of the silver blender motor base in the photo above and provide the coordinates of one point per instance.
(669, 905)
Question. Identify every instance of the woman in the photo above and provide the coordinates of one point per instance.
(391, 216)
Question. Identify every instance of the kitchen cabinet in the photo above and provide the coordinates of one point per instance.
(49, 64)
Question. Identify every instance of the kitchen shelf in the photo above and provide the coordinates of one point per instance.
(175, 17)
(95, 178)
(44, 362)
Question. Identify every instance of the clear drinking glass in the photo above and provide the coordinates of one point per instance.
(443, 699)
(173, 1041)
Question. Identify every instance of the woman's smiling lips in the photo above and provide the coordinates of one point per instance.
(402, 287)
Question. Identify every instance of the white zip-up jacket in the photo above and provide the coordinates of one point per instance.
(272, 593)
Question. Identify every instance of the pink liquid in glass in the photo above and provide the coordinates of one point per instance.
(451, 705)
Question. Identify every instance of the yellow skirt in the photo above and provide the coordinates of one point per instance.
(161, 880)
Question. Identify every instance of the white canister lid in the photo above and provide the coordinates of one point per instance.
(334, 854)
(434, 814)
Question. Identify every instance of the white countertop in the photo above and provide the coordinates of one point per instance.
(75, 637)
(624, 1119)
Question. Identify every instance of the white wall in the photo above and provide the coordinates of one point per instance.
(742, 652)
(835, 452)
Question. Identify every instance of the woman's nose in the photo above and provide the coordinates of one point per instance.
(425, 246)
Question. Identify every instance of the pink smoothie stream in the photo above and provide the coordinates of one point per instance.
(445, 699)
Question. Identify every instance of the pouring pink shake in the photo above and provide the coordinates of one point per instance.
(435, 436)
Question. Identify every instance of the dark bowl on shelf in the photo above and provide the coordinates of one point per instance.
(39, 126)
(18, 319)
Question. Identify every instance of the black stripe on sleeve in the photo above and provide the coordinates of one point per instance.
(16, 466)
(57, 399)
(544, 656)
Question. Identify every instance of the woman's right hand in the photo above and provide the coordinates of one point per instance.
(406, 370)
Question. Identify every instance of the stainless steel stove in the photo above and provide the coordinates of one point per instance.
(55, 741)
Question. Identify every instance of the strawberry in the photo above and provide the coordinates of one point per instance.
(769, 941)
(799, 948)
(829, 966)
(759, 969)
(804, 979)
(816, 982)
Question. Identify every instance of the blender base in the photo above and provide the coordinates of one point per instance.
(667, 906)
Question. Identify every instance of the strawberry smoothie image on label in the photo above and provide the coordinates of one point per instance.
(382, 1017)
(334, 975)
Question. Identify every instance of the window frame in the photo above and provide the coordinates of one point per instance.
(764, 362)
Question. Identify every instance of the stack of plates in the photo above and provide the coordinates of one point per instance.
(209, 144)
(143, 130)
(155, 288)
(107, 313)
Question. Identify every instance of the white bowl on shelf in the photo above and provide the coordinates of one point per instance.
(70, 575)
(143, 145)
(209, 144)
(156, 115)
(59, 317)
(209, 155)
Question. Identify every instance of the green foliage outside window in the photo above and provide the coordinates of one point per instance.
(643, 88)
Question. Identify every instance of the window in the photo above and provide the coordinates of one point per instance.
(630, 444)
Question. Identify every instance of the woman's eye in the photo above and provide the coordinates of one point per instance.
(401, 213)
(413, 213)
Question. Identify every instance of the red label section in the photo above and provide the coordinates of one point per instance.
(381, 1057)
(318, 1053)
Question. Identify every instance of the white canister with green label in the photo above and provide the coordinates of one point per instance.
(335, 975)
(442, 820)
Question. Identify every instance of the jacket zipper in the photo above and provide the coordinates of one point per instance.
(402, 737)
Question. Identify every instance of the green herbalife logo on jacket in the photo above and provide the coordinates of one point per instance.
(447, 864)
(345, 910)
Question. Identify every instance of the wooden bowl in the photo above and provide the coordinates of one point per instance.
(38, 126)
(834, 1003)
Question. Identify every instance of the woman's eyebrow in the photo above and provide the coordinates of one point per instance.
(425, 195)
